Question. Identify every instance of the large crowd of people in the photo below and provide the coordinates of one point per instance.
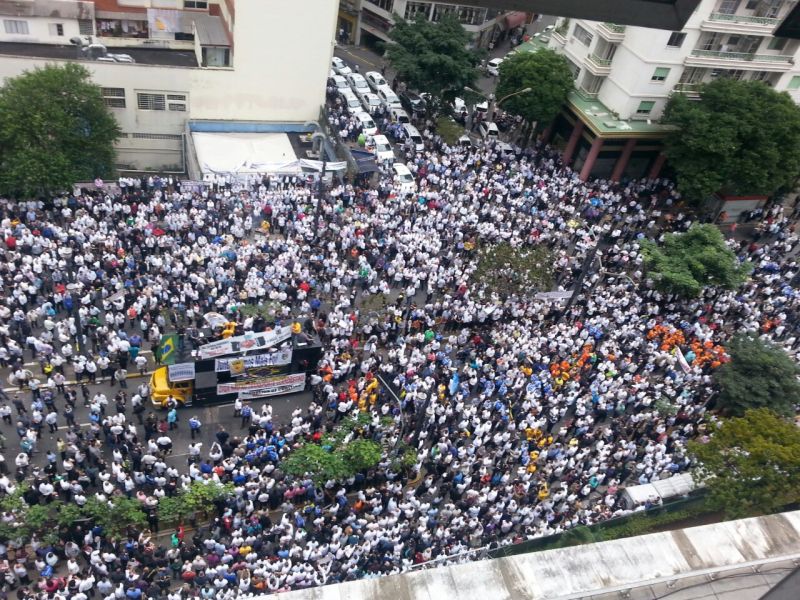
(527, 417)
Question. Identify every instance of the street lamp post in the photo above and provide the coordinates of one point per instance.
(493, 103)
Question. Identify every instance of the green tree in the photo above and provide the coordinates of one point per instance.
(361, 455)
(548, 76)
(55, 130)
(741, 137)
(318, 463)
(759, 375)
(508, 270)
(688, 262)
(751, 465)
(432, 57)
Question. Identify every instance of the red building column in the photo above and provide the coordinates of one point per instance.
(546, 134)
(572, 143)
(622, 161)
(656, 168)
(586, 170)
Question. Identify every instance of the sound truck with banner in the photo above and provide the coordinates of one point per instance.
(249, 366)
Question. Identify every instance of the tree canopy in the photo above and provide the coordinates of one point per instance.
(759, 375)
(688, 262)
(507, 270)
(751, 465)
(741, 137)
(432, 57)
(55, 130)
(549, 77)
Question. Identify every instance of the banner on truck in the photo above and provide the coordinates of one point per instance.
(262, 384)
(283, 357)
(181, 372)
(291, 387)
(243, 343)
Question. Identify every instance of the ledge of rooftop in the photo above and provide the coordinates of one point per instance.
(143, 56)
(603, 123)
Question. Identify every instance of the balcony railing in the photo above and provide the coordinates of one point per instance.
(585, 94)
(742, 56)
(690, 89)
(614, 27)
(744, 19)
(602, 62)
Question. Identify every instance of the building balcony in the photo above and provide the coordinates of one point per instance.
(585, 94)
(739, 60)
(558, 38)
(598, 65)
(611, 32)
(692, 90)
(722, 23)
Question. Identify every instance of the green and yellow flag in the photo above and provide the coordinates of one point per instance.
(168, 348)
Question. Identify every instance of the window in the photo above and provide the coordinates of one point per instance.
(386, 5)
(151, 101)
(114, 97)
(583, 36)
(157, 136)
(176, 102)
(794, 83)
(760, 76)
(195, 4)
(463, 14)
(85, 27)
(56, 29)
(676, 39)
(660, 74)
(728, 7)
(19, 27)
(752, 4)
(777, 43)
(417, 8)
(645, 107)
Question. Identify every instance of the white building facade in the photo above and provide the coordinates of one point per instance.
(633, 70)
(274, 82)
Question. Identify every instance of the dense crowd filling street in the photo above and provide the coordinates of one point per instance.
(527, 416)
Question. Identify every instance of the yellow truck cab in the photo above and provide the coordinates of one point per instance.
(162, 388)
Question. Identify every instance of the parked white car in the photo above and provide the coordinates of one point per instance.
(367, 124)
(493, 67)
(381, 148)
(374, 79)
(403, 179)
(370, 102)
(340, 67)
(388, 98)
(357, 83)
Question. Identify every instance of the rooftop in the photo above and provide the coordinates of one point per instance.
(144, 56)
(602, 121)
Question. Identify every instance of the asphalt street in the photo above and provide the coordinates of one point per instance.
(210, 416)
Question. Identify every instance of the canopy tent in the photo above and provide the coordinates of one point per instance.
(250, 153)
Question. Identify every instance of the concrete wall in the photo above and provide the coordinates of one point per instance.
(281, 62)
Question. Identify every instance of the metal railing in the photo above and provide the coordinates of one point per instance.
(586, 94)
(687, 88)
(742, 56)
(601, 62)
(743, 19)
(614, 27)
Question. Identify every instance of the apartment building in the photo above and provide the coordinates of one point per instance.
(369, 21)
(172, 68)
(625, 75)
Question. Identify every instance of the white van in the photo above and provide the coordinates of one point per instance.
(388, 97)
(403, 179)
(367, 124)
(399, 115)
(413, 134)
(352, 103)
(382, 149)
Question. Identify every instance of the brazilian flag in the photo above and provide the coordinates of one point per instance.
(168, 348)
